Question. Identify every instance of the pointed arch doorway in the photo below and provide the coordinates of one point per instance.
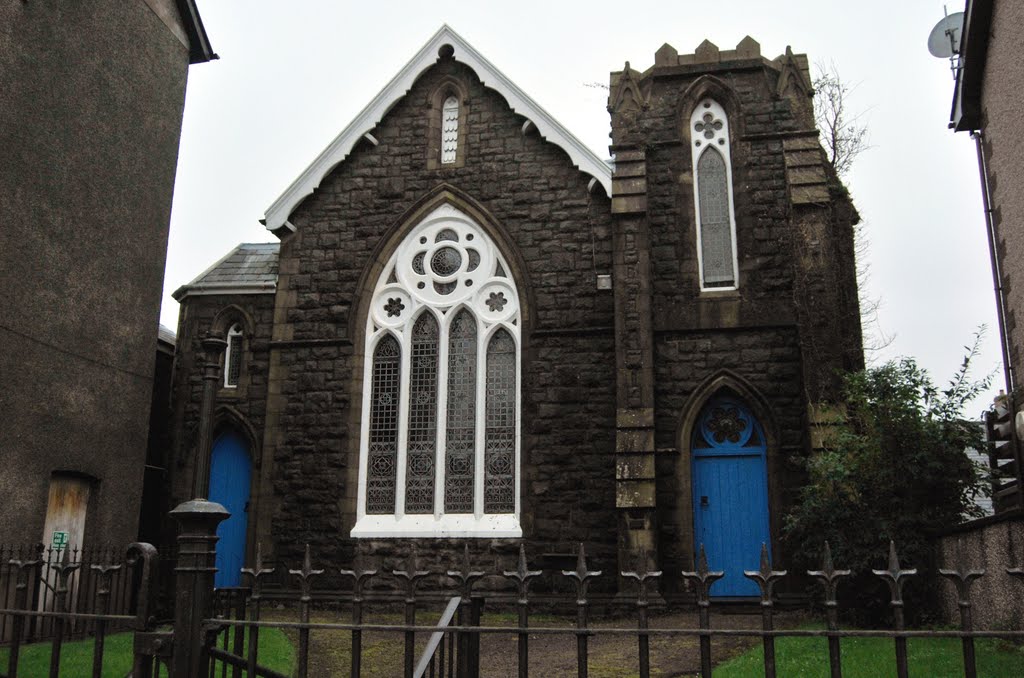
(730, 492)
(230, 475)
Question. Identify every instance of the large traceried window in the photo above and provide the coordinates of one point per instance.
(439, 452)
(712, 188)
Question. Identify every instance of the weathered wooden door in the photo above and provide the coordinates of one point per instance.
(230, 474)
(730, 493)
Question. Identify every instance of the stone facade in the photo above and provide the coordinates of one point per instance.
(612, 376)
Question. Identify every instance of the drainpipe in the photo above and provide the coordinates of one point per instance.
(1004, 340)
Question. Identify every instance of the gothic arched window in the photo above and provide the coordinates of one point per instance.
(449, 130)
(712, 189)
(233, 357)
(439, 452)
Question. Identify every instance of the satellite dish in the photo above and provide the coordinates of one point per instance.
(944, 40)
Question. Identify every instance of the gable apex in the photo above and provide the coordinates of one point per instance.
(276, 217)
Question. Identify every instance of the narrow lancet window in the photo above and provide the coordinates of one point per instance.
(419, 472)
(716, 222)
(461, 434)
(499, 446)
(233, 357)
(383, 434)
(449, 130)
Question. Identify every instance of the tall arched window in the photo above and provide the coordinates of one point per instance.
(449, 130)
(439, 452)
(712, 188)
(233, 357)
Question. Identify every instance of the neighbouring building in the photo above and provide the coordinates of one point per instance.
(92, 96)
(473, 328)
(989, 78)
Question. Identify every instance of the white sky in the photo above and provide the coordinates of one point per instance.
(293, 74)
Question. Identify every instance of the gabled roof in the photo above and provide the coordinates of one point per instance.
(250, 268)
(277, 214)
(199, 50)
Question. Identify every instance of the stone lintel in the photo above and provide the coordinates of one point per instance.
(635, 494)
(630, 169)
(637, 417)
(629, 186)
(803, 195)
(623, 155)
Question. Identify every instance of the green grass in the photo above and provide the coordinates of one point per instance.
(876, 658)
(275, 652)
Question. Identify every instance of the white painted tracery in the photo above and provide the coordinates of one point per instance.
(443, 340)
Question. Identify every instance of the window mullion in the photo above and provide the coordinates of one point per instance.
(442, 419)
(403, 421)
(481, 420)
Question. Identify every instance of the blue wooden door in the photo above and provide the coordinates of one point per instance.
(730, 494)
(230, 472)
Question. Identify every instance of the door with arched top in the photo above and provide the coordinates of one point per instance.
(730, 493)
(230, 474)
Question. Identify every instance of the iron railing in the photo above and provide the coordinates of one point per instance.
(453, 642)
(454, 649)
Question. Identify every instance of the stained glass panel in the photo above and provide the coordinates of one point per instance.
(460, 445)
(383, 443)
(715, 228)
(234, 357)
(500, 432)
(422, 432)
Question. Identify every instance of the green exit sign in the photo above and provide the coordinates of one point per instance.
(60, 539)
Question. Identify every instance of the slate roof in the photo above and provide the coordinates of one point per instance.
(165, 334)
(250, 268)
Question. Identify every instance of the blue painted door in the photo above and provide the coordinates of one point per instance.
(730, 494)
(230, 472)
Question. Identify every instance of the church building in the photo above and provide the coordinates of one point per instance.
(474, 329)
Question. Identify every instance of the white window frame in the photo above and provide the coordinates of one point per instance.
(229, 355)
(699, 144)
(450, 138)
(492, 276)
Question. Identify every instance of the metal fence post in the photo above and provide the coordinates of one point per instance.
(24, 568)
(766, 578)
(962, 578)
(829, 577)
(704, 578)
(359, 578)
(305, 598)
(643, 639)
(582, 577)
(895, 577)
(522, 576)
(411, 576)
(466, 577)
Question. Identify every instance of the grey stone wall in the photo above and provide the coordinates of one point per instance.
(92, 97)
(991, 545)
(558, 238)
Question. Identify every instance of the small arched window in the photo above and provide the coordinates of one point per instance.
(233, 357)
(449, 130)
(439, 453)
(712, 188)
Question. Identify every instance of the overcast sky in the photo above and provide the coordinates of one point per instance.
(292, 75)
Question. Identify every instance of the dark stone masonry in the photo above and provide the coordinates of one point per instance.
(620, 346)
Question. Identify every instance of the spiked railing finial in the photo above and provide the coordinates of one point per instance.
(641, 575)
(703, 577)
(765, 576)
(467, 575)
(962, 577)
(582, 575)
(522, 575)
(305, 574)
(894, 576)
(829, 576)
(257, 572)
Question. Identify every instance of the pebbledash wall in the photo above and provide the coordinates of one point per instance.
(613, 376)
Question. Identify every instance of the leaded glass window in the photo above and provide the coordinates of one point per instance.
(460, 447)
(383, 433)
(449, 130)
(440, 432)
(422, 436)
(233, 357)
(499, 454)
(716, 224)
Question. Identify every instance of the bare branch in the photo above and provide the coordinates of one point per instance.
(842, 133)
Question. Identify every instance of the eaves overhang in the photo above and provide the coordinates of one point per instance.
(276, 217)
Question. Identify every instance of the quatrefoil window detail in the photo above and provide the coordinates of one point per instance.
(496, 301)
(394, 307)
(708, 126)
(726, 424)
